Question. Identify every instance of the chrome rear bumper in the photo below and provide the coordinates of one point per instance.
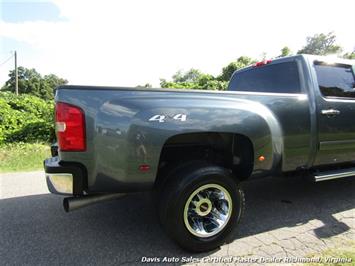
(60, 183)
(64, 178)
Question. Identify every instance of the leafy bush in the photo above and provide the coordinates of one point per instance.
(25, 118)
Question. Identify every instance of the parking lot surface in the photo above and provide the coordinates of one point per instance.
(283, 218)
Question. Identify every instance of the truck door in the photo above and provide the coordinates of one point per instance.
(336, 113)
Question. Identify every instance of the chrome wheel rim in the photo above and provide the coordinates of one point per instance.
(207, 210)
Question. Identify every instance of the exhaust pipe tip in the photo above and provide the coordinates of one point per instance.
(73, 203)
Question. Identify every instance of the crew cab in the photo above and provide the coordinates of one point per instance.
(192, 148)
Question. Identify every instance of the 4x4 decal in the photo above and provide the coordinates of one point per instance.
(161, 118)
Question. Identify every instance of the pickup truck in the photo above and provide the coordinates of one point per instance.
(193, 148)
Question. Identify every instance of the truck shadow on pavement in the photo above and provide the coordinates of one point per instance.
(35, 229)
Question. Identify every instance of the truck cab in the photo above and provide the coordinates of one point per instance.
(329, 85)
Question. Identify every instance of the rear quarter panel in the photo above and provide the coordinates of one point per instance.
(120, 136)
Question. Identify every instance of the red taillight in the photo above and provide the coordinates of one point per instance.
(144, 167)
(262, 63)
(70, 127)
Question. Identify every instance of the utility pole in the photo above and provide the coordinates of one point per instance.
(16, 74)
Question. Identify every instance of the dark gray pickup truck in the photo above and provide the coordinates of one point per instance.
(193, 148)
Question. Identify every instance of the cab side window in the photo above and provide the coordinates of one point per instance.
(276, 78)
(336, 80)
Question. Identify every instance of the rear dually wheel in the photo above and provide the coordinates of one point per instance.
(200, 206)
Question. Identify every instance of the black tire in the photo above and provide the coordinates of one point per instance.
(182, 182)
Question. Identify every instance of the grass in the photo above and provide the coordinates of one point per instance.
(23, 156)
(345, 251)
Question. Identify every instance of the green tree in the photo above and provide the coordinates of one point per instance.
(321, 44)
(349, 55)
(183, 80)
(193, 79)
(28, 80)
(228, 70)
(285, 51)
(31, 82)
(192, 75)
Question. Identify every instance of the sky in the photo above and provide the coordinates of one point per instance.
(130, 43)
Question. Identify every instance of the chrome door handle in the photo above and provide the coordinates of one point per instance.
(330, 112)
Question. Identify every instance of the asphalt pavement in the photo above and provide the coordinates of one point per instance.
(283, 218)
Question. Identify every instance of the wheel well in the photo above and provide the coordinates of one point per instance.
(232, 151)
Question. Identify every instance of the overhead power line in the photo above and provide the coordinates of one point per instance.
(4, 62)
